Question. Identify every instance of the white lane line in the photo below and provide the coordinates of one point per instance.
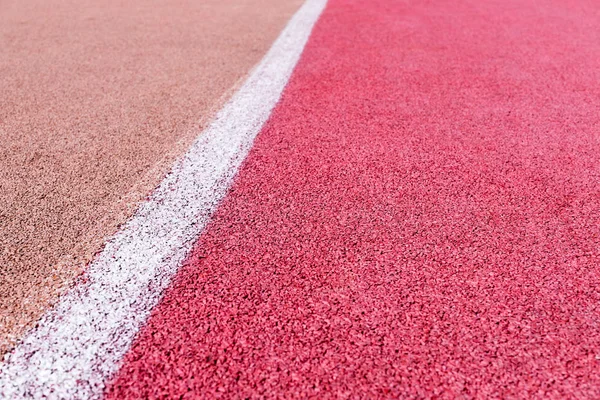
(79, 344)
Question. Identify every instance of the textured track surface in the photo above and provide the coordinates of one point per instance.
(96, 101)
(420, 216)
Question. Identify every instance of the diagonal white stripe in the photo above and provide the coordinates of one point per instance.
(79, 344)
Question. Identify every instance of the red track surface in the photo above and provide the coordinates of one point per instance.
(421, 216)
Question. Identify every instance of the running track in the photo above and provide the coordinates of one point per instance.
(419, 217)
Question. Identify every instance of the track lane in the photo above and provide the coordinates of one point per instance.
(420, 217)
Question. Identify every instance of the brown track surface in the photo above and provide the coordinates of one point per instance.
(96, 101)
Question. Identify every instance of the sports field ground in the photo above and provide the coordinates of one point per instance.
(300, 199)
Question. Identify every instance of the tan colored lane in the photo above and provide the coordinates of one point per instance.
(97, 98)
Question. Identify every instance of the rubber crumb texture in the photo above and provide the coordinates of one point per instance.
(97, 101)
(420, 218)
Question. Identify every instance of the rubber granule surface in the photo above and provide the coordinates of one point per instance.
(420, 217)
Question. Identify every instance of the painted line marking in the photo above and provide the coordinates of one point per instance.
(79, 344)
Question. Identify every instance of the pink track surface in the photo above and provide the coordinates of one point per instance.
(420, 217)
